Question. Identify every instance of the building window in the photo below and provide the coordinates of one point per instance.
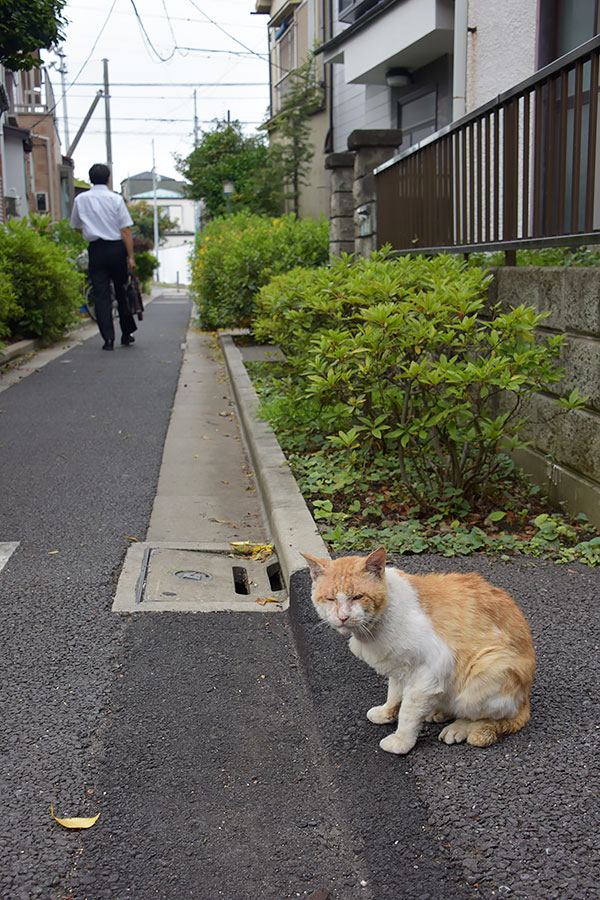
(417, 117)
(351, 10)
(283, 59)
(564, 25)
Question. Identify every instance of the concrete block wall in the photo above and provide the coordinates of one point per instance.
(564, 456)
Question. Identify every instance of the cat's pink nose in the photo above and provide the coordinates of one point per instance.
(343, 617)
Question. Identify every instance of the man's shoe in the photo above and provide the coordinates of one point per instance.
(128, 339)
(108, 345)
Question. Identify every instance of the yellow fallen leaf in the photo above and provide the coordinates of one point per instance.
(256, 551)
(75, 822)
(224, 482)
(264, 600)
(52, 552)
(127, 538)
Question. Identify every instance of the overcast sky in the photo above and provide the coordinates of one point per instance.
(224, 59)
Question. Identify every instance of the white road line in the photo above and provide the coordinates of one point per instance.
(7, 548)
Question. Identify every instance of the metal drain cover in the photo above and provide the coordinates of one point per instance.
(171, 578)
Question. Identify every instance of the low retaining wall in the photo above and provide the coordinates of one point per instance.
(564, 456)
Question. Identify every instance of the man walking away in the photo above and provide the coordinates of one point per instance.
(102, 217)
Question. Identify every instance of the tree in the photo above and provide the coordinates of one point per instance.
(27, 27)
(291, 150)
(226, 154)
(142, 214)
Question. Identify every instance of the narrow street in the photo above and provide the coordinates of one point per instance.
(228, 753)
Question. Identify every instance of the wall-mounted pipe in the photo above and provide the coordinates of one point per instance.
(459, 75)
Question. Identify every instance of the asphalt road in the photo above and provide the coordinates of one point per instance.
(229, 754)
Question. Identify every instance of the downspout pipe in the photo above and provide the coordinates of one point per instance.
(459, 74)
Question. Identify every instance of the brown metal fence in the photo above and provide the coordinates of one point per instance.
(521, 171)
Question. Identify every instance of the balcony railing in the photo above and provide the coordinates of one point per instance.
(521, 171)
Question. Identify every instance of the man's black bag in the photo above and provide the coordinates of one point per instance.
(134, 297)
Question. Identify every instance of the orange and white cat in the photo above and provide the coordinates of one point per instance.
(452, 646)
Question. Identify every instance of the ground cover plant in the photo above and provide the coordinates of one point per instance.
(401, 393)
(237, 254)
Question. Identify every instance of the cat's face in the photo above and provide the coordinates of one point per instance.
(349, 593)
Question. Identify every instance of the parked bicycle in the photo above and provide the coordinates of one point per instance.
(89, 302)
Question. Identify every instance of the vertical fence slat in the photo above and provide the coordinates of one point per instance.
(592, 140)
(573, 219)
(526, 166)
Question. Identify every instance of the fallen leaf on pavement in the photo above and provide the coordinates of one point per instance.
(256, 551)
(264, 600)
(76, 822)
(52, 552)
(127, 538)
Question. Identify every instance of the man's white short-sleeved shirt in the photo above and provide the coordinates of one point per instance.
(100, 213)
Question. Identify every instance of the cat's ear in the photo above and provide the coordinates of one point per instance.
(317, 566)
(375, 563)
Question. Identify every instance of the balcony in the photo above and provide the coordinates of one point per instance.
(521, 171)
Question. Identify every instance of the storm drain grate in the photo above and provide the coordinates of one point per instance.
(207, 580)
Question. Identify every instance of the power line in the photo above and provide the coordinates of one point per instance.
(225, 32)
(89, 56)
(192, 84)
(147, 36)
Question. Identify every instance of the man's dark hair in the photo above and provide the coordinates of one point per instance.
(99, 174)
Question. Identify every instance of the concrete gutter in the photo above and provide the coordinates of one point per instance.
(291, 525)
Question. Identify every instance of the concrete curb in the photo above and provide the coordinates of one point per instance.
(291, 525)
(21, 348)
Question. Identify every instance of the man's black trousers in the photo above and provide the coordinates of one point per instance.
(108, 262)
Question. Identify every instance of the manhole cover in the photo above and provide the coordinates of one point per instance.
(176, 579)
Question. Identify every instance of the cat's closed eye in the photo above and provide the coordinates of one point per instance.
(358, 596)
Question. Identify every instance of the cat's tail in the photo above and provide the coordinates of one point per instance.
(487, 731)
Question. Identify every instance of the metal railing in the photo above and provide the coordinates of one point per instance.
(521, 171)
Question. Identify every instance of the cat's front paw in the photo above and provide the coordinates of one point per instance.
(455, 733)
(382, 715)
(398, 743)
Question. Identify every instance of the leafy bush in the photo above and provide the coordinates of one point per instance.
(46, 284)
(60, 232)
(9, 308)
(145, 266)
(236, 255)
(404, 360)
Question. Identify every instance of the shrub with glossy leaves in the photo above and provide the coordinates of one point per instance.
(405, 358)
(236, 255)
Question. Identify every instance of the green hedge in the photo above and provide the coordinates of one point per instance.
(236, 255)
(40, 289)
(404, 360)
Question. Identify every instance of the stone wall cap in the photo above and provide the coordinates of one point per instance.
(374, 137)
(339, 160)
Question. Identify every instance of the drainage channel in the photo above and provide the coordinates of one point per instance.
(197, 578)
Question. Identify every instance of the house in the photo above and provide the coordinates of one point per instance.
(138, 184)
(418, 65)
(34, 176)
(176, 244)
(295, 27)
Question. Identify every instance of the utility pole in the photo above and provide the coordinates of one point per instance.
(107, 117)
(63, 71)
(197, 206)
(195, 121)
(155, 209)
